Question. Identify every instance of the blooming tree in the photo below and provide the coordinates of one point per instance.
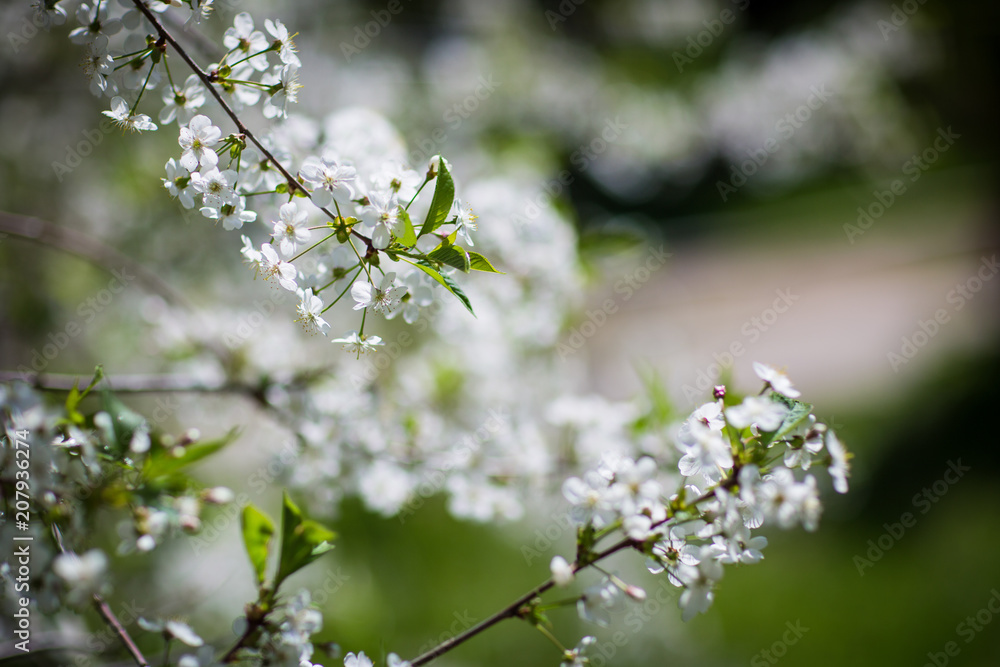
(687, 494)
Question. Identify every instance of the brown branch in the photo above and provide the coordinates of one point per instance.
(210, 81)
(130, 384)
(90, 249)
(103, 257)
(210, 84)
(513, 610)
(104, 610)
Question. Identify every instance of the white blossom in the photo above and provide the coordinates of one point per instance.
(759, 410)
(123, 117)
(290, 229)
(562, 571)
(198, 138)
(776, 379)
(382, 299)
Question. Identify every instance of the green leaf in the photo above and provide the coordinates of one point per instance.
(76, 396)
(798, 412)
(444, 196)
(302, 541)
(480, 263)
(448, 283)
(452, 255)
(409, 238)
(661, 408)
(163, 462)
(124, 420)
(257, 531)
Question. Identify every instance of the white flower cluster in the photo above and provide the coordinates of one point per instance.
(73, 466)
(288, 643)
(360, 182)
(734, 475)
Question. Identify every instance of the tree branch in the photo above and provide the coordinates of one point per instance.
(131, 384)
(90, 249)
(512, 610)
(209, 81)
(105, 611)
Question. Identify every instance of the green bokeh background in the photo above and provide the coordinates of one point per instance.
(409, 582)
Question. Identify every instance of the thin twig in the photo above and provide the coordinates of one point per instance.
(86, 247)
(514, 609)
(103, 257)
(105, 611)
(210, 84)
(209, 81)
(510, 611)
(130, 384)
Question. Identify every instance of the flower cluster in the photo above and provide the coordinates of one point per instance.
(365, 199)
(112, 453)
(357, 217)
(735, 474)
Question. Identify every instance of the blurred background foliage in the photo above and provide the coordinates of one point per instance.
(562, 77)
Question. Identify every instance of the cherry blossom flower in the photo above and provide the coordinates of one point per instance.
(178, 183)
(358, 344)
(94, 22)
(759, 410)
(246, 41)
(283, 41)
(290, 228)
(330, 179)
(273, 267)
(562, 571)
(284, 90)
(123, 117)
(216, 187)
(182, 104)
(775, 379)
(840, 468)
(382, 299)
(310, 311)
(197, 139)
